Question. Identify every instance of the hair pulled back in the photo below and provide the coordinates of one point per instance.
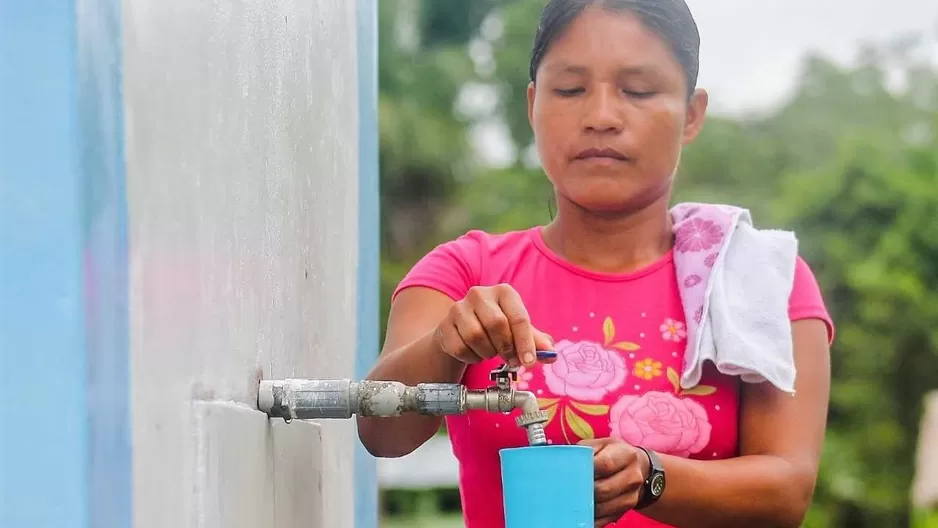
(669, 19)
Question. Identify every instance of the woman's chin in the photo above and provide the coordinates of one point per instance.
(610, 202)
(604, 206)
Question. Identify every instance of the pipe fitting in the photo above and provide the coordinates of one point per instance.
(495, 399)
(309, 399)
(532, 418)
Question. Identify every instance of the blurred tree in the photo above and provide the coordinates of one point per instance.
(421, 141)
(423, 66)
(850, 161)
(512, 55)
(867, 224)
(453, 23)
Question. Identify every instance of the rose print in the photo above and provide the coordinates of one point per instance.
(697, 235)
(584, 370)
(647, 369)
(672, 330)
(698, 315)
(662, 422)
(524, 376)
(711, 260)
(692, 280)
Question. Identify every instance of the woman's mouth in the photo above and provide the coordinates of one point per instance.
(602, 155)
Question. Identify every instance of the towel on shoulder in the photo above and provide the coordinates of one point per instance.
(735, 283)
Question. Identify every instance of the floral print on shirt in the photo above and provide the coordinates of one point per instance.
(588, 383)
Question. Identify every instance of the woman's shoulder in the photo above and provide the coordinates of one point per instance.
(806, 300)
(456, 265)
(479, 246)
(491, 240)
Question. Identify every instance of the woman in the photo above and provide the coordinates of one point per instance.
(612, 100)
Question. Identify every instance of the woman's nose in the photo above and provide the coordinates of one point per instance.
(602, 113)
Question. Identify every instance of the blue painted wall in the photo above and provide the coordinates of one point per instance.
(369, 245)
(65, 444)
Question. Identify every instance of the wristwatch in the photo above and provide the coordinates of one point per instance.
(653, 486)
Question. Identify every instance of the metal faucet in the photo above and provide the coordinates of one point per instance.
(308, 399)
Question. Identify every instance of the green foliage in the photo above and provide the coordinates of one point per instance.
(925, 519)
(849, 164)
(512, 52)
(452, 22)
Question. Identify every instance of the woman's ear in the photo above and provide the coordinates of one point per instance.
(696, 113)
(531, 92)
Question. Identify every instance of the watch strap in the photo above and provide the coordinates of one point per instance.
(655, 478)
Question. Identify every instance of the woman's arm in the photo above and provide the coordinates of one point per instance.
(411, 357)
(772, 481)
(432, 339)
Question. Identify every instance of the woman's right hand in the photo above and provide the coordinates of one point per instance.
(491, 321)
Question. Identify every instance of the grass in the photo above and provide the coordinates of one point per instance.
(449, 521)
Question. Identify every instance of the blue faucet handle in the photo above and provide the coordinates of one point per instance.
(546, 354)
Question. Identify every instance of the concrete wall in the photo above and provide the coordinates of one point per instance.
(180, 215)
(242, 157)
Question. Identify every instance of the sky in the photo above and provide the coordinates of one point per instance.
(751, 49)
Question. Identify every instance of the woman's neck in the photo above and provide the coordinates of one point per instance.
(611, 243)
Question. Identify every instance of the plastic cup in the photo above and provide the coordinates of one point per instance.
(548, 486)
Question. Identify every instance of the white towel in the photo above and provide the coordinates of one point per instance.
(744, 326)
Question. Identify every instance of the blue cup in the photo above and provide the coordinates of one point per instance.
(548, 486)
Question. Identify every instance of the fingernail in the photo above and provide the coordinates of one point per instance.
(546, 354)
(529, 357)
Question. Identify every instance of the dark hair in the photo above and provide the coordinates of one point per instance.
(670, 19)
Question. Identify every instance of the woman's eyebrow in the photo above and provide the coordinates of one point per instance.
(566, 67)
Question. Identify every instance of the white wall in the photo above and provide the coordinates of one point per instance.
(242, 152)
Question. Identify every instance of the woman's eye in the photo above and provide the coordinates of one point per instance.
(639, 94)
(568, 92)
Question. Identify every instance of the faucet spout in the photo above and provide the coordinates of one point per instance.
(506, 399)
(532, 418)
(526, 401)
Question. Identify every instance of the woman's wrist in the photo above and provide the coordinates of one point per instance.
(435, 352)
(645, 462)
(645, 496)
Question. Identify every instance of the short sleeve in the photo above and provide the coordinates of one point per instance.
(450, 268)
(806, 300)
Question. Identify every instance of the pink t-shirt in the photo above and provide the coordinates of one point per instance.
(620, 340)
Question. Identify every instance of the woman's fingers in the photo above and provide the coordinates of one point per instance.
(473, 333)
(522, 332)
(493, 321)
(452, 344)
(612, 510)
(496, 325)
(544, 342)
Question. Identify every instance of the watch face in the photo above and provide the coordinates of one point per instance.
(657, 485)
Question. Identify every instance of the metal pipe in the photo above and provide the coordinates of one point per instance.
(306, 399)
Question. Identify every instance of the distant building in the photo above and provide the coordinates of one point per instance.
(431, 466)
(925, 487)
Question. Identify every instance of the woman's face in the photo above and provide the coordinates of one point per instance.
(610, 113)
